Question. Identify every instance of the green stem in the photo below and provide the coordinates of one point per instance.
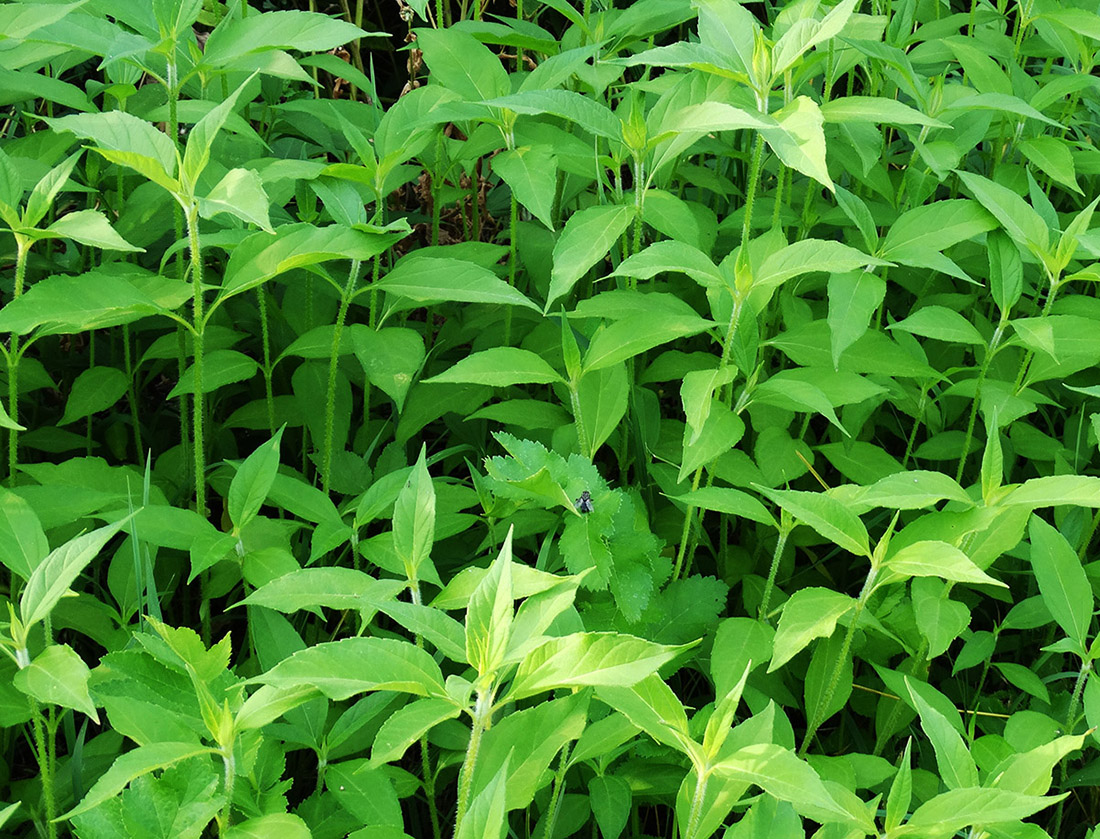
(334, 358)
(989, 353)
(22, 252)
(786, 525)
(750, 186)
(578, 420)
(921, 405)
(265, 336)
(834, 677)
(685, 534)
(199, 349)
(697, 802)
(482, 712)
(513, 221)
(555, 795)
(45, 768)
(226, 816)
(131, 394)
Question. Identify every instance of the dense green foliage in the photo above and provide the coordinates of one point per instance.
(671, 420)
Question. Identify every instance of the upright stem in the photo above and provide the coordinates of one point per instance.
(785, 528)
(199, 348)
(265, 335)
(555, 796)
(685, 535)
(977, 397)
(226, 815)
(45, 768)
(334, 358)
(22, 252)
(483, 708)
(697, 802)
(131, 394)
(834, 678)
(750, 187)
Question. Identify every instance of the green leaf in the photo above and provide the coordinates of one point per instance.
(670, 256)
(781, 774)
(52, 577)
(305, 31)
(22, 541)
(220, 368)
(93, 391)
(127, 139)
(333, 588)
(589, 658)
(1016, 216)
(132, 765)
(809, 613)
(531, 173)
(269, 703)
(240, 193)
(95, 300)
(602, 395)
(408, 724)
(489, 614)
(462, 63)
(90, 227)
(500, 367)
(365, 791)
(427, 280)
(414, 518)
(1056, 490)
(546, 728)
(957, 767)
(487, 815)
(940, 323)
(721, 431)
(732, 502)
(58, 676)
(798, 139)
(1024, 678)
(283, 825)
(611, 798)
(951, 811)
(828, 516)
(1063, 584)
(585, 241)
(853, 298)
(201, 139)
(635, 334)
(340, 669)
(913, 491)
(45, 191)
(933, 558)
(1051, 156)
(250, 486)
(935, 227)
(874, 109)
(263, 255)
(390, 357)
(807, 256)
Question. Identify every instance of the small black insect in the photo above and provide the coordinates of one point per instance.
(584, 503)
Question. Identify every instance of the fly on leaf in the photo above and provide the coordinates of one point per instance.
(584, 503)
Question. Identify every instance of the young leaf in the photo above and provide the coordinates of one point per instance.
(489, 615)
(414, 518)
(810, 613)
(250, 486)
(52, 577)
(585, 240)
(1062, 580)
(828, 516)
(531, 174)
(933, 558)
(589, 658)
(500, 367)
(340, 669)
(58, 676)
